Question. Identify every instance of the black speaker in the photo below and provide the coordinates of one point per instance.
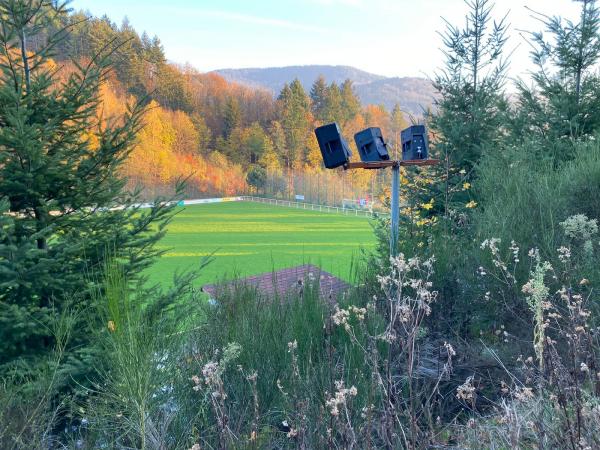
(333, 147)
(414, 143)
(371, 146)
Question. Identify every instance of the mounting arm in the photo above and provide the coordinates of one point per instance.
(384, 164)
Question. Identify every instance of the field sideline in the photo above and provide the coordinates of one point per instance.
(249, 238)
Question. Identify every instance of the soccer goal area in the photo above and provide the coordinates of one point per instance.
(362, 204)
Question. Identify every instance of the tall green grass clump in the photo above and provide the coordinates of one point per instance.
(139, 335)
(32, 407)
(525, 197)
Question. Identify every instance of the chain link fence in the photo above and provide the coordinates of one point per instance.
(328, 188)
(336, 189)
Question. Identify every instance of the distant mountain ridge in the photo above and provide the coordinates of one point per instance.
(412, 93)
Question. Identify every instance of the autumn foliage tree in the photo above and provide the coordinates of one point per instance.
(167, 151)
(198, 125)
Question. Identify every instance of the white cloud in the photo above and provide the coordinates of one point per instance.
(258, 20)
(339, 2)
(381, 6)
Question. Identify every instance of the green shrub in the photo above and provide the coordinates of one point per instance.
(580, 180)
(521, 199)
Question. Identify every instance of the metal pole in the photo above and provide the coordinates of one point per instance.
(395, 212)
(334, 186)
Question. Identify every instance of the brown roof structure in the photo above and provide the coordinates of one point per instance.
(284, 282)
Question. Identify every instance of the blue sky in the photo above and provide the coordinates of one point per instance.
(387, 37)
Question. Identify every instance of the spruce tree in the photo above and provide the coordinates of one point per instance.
(254, 144)
(279, 143)
(350, 102)
(564, 101)
(294, 106)
(231, 116)
(318, 97)
(333, 104)
(470, 113)
(398, 123)
(63, 207)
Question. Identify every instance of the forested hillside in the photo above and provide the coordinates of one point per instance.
(273, 78)
(223, 137)
(415, 95)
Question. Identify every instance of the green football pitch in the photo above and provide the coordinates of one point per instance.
(248, 238)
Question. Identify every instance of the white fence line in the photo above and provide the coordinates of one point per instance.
(277, 202)
(311, 206)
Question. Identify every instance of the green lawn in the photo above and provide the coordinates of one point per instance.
(249, 238)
